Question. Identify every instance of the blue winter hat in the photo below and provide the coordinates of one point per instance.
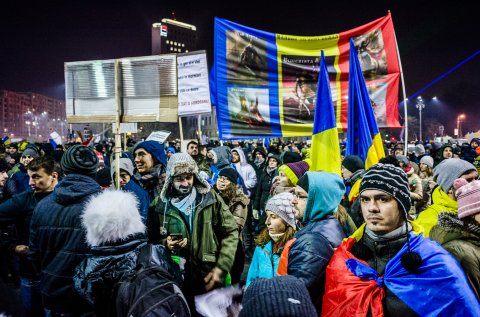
(170, 149)
(155, 149)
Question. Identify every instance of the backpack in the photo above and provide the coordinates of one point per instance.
(150, 292)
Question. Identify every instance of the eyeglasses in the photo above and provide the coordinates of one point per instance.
(300, 196)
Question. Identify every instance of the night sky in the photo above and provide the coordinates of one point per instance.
(36, 39)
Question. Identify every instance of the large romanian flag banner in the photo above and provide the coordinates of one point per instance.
(265, 84)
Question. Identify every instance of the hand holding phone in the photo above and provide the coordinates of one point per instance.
(176, 236)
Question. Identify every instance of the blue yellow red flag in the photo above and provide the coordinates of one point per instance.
(325, 153)
(363, 136)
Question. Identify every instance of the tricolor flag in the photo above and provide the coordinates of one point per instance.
(325, 153)
(363, 136)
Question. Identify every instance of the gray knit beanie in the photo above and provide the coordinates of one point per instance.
(79, 159)
(30, 152)
(125, 164)
(281, 205)
(279, 296)
(445, 173)
(427, 160)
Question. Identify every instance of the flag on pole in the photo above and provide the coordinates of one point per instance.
(325, 153)
(363, 136)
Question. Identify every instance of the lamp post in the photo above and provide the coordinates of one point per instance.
(28, 126)
(420, 106)
(460, 116)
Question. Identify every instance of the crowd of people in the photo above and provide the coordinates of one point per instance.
(401, 238)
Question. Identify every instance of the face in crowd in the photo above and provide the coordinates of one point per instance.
(272, 163)
(192, 149)
(235, 157)
(124, 178)
(3, 178)
(26, 159)
(447, 152)
(275, 224)
(380, 211)
(299, 202)
(222, 183)
(41, 182)
(346, 174)
(183, 184)
(143, 161)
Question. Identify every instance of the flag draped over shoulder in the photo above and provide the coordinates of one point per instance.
(363, 136)
(325, 153)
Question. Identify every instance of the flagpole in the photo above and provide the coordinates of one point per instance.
(404, 95)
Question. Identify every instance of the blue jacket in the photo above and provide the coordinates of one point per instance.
(264, 263)
(58, 243)
(142, 196)
(321, 234)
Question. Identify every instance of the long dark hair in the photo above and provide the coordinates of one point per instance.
(228, 193)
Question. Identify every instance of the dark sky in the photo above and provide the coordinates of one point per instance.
(36, 39)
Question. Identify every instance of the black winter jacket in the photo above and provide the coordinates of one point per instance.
(58, 244)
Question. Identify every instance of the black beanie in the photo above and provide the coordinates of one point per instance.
(79, 159)
(103, 177)
(3, 165)
(353, 163)
(291, 157)
(303, 182)
(278, 296)
(391, 180)
(229, 173)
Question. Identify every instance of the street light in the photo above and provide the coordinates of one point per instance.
(420, 106)
(460, 116)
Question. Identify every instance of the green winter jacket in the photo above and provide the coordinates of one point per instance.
(463, 242)
(214, 236)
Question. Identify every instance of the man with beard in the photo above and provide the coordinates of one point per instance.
(194, 223)
(150, 161)
(202, 163)
(18, 210)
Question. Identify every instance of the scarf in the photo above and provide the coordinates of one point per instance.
(187, 206)
(276, 236)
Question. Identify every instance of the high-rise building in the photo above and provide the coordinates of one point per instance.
(27, 114)
(172, 36)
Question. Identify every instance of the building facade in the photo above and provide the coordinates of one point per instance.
(27, 114)
(172, 36)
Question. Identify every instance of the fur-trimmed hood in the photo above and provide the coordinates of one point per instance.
(111, 216)
(181, 163)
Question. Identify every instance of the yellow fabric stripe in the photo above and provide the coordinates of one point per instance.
(326, 152)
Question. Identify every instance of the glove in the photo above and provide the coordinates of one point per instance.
(255, 214)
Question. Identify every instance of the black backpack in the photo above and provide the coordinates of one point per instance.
(150, 292)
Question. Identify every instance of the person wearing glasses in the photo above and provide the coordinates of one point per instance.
(443, 196)
(316, 198)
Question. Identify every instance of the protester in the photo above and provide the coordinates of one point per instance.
(460, 234)
(237, 202)
(278, 296)
(150, 161)
(367, 274)
(443, 199)
(116, 234)
(245, 171)
(57, 240)
(19, 181)
(353, 169)
(194, 223)
(280, 227)
(316, 199)
(128, 184)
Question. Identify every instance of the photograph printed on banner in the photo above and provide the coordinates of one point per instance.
(377, 90)
(249, 111)
(299, 87)
(246, 59)
(371, 54)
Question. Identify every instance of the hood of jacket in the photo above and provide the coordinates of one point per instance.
(325, 192)
(440, 198)
(111, 216)
(243, 159)
(224, 156)
(75, 187)
(450, 227)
